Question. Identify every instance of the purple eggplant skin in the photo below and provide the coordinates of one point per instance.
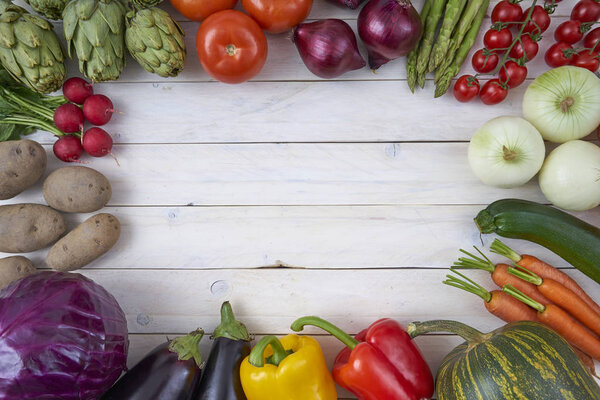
(163, 374)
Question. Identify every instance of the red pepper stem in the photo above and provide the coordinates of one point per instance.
(257, 355)
(328, 327)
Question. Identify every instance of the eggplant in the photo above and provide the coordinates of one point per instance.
(221, 375)
(172, 371)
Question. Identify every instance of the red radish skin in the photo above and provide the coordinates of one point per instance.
(97, 142)
(98, 109)
(68, 148)
(77, 90)
(68, 118)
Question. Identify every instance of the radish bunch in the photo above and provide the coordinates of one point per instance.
(70, 117)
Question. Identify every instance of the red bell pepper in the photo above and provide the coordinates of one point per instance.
(381, 363)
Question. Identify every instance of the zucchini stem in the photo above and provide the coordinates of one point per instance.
(522, 297)
(474, 262)
(467, 285)
(500, 248)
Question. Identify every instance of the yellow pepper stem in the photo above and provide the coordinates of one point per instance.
(327, 326)
(257, 355)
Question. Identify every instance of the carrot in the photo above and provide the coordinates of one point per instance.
(500, 274)
(545, 271)
(498, 303)
(556, 318)
(563, 297)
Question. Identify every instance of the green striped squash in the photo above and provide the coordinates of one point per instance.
(519, 361)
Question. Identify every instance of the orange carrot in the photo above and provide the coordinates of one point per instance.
(500, 274)
(545, 271)
(559, 320)
(563, 297)
(498, 303)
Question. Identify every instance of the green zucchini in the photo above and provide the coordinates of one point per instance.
(519, 361)
(576, 241)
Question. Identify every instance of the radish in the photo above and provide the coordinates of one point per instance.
(68, 118)
(68, 148)
(97, 142)
(98, 109)
(77, 90)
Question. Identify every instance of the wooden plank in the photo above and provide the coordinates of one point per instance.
(305, 237)
(269, 300)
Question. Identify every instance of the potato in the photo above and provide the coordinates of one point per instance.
(14, 268)
(29, 227)
(94, 237)
(22, 163)
(76, 189)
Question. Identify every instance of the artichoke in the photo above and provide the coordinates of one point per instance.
(95, 31)
(48, 8)
(156, 41)
(146, 3)
(30, 50)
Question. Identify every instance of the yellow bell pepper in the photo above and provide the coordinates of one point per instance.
(291, 369)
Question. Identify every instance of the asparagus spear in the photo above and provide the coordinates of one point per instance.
(431, 24)
(452, 15)
(411, 61)
(462, 52)
(460, 31)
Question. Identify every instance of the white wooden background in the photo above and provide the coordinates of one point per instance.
(290, 195)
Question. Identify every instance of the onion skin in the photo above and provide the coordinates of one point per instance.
(328, 47)
(351, 4)
(389, 28)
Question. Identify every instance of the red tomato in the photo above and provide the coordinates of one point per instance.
(529, 45)
(512, 74)
(197, 10)
(483, 63)
(493, 92)
(591, 39)
(586, 59)
(541, 19)
(505, 11)
(466, 88)
(568, 32)
(276, 16)
(231, 46)
(586, 11)
(497, 40)
(555, 56)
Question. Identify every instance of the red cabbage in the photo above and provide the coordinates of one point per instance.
(62, 336)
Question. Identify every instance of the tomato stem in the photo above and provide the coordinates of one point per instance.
(231, 50)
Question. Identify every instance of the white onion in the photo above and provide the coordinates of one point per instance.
(563, 103)
(570, 176)
(506, 152)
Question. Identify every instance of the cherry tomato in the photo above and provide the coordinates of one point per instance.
(483, 63)
(505, 11)
(568, 32)
(541, 19)
(591, 39)
(276, 16)
(529, 45)
(555, 56)
(197, 10)
(586, 11)
(494, 39)
(231, 46)
(466, 88)
(493, 92)
(512, 74)
(586, 59)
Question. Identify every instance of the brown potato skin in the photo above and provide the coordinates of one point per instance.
(91, 239)
(14, 268)
(77, 190)
(29, 227)
(22, 163)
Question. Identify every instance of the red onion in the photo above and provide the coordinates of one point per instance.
(389, 28)
(328, 47)
(351, 4)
